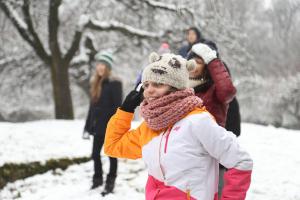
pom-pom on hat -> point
(169, 69)
(104, 57)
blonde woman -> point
(106, 97)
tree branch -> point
(169, 7)
(74, 47)
(38, 46)
(123, 28)
(22, 28)
(53, 25)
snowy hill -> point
(274, 151)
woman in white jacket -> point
(179, 140)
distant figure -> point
(164, 48)
(106, 97)
(193, 36)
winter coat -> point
(107, 104)
(184, 50)
(182, 161)
(218, 92)
(233, 121)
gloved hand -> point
(205, 52)
(133, 99)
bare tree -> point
(52, 53)
(54, 59)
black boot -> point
(109, 185)
(97, 181)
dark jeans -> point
(97, 146)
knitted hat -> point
(104, 57)
(169, 69)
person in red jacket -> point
(212, 83)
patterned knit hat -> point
(104, 57)
(169, 69)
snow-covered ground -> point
(42, 140)
(274, 151)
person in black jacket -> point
(233, 121)
(194, 36)
(106, 97)
(233, 118)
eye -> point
(145, 85)
(199, 61)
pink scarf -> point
(165, 111)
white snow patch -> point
(274, 151)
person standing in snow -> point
(106, 97)
(179, 140)
(212, 83)
(233, 118)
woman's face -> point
(191, 36)
(199, 69)
(101, 69)
(153, 90)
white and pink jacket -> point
(183, 161)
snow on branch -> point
(126, 29)
(25, 27)
(170, 7)
(13, 14)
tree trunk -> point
(61, 90)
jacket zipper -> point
(165, 150)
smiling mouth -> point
(151, 98)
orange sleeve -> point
(120, 141)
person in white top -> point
(179, 140)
